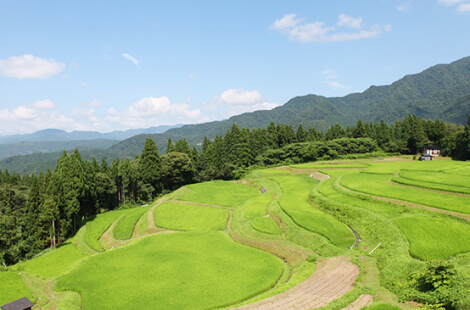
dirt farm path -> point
(361, 301)
(332, 278)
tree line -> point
(40, 211)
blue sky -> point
(116, 65)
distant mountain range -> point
(62, 135)
(442, 91)
(54, 140)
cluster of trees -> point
(37, 211)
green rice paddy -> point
(376, 184)
(435, 238)
(126, 224)
(265, 225)
(180, 216)
(174, 271)
(220, 193)
(12, 287)
(257, 206)
(294, 201)
(53, 263)
(97, 226)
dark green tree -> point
(177, 170)
(150, 166)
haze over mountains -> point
(442, 91)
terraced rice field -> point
(219, 193)
(435, 238)
(297, 206)
(53, 263)
(126, 224)
(174, 271)
(265, 225)
(184, 216)
(190, 259)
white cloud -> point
(463, 8)
(331, 79)
(236, 101)
(34, 117)
(96, 103)
(450, 2)
(388, 28)
(29, 67)
(43, 104)
(129, 57)
(152, 111)
(241, 97)
(404, 7)
(296, 29)
(83, 84)
(288, 21)
(348, 21)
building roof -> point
(19, 304)
(432, 147)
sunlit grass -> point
(256, 207)
(180, 216)
(192, 270)
(126, 224)
(12, 287)
(53, 263)
(435, 238)
(294, 201)
(376, 184)
(97, 226)
(219, 193)
(265, 225)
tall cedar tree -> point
(150, 167)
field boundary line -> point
(107, 239)
(202, 204)
(391, 182)
(405, 203)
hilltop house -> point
(433, 150)
(19, 304)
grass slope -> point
(174, 271)
(12, 287)
(219, 193)
(53, 263)
(180, 216)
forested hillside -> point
(440, 92)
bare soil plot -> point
(332, 279)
